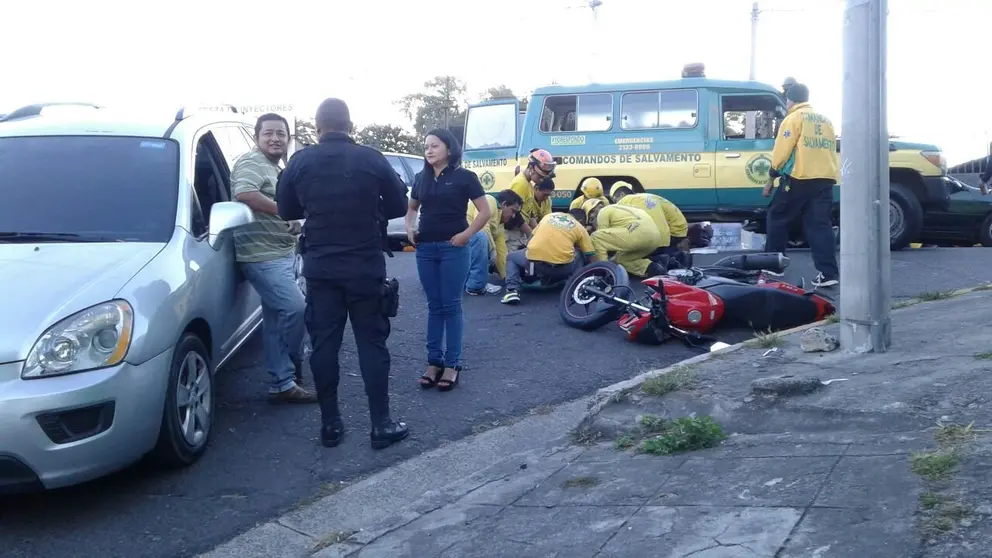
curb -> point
(605, 395)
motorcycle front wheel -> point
(582, 310)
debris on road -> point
(817, 340)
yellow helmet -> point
(621, 186)
(591, 188)
(589, 205)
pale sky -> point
(372, 52)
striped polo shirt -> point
(268, 237)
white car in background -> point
(407, 166)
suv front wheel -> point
(189, 405)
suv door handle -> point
(732, 155)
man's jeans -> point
(520, 270)
(478, 266)
(812, 200)
(283, 308)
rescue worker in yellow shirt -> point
(591, 188)
(667, 217)
(627, 231)
(804, 160)
(490, 242)
(534, 186)
(559, 247)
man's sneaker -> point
(295, 394)
(511, 297)
(821, 282)
(489, 289)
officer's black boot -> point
(331, 433)
(387, 432)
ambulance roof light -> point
(694, 70)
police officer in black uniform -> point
(346, 192)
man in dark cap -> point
(789, 82)
(805, 162)
(345, 191)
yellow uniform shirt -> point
(530, 209)
(494, 231)
(806, 146)
(577, 202)
(660, 210)
(555, 239)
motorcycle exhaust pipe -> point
(776, 262)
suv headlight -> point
(93, 338)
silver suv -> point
(121, 295)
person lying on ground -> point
(560, 246)
(490, 242)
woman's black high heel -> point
(448, 385)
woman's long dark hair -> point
(449, 140)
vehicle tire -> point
(605, 273)
(985, 233)
(905, 217)
(181, 443)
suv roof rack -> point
(184, 111)
(35, 110)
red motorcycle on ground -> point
(743, 291)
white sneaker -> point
(820, 281)
(493, 289)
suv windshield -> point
(88, 188)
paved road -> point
(264, 460)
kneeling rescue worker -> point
(592, 189)
(667, 217)
(534, 186)
(628, 231)
(560, 246)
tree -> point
(503, 92)
(306, 132)
(385, 137)
(439, 105)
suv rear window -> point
(114, 188)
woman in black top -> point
(442, 192)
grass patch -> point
(767, 339)
(930, 296)
(905, 303)
(987, 355)
(685, 434)
(953, 434)
(580, 482)
(332, 539)
(624, 442)
(934, 466)
(675, 379)
(832, 318)
(652, 423)
(585, 436)
(929, 500)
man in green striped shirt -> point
(265, 250)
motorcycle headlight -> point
(93, 338)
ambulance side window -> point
(587, 112)
(750, 117)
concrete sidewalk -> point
(759, 451)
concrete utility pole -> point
(865, 270)
(755, 12)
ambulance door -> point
(492, 132)
(749, 122)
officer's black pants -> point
(813, 201)
(329, 305)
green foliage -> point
(385, 137)
(440, 105)
(685, 434)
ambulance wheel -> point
(582, 310)
(905, 217)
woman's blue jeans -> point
(443, 268)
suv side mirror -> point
(225, 216)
